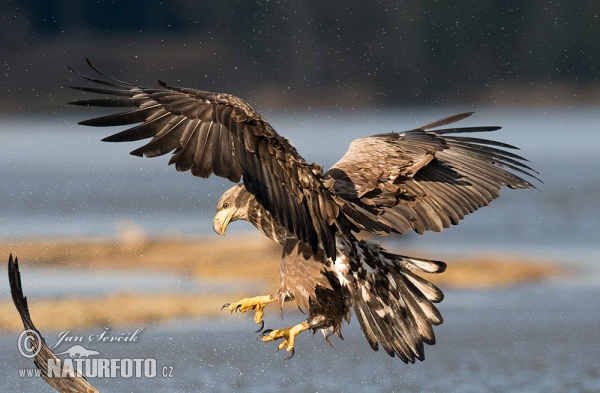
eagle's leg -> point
(256, 303)
(288, 335)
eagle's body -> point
(393, 305)
(423, 179)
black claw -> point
(262, 325)
(291, 354)
(237, 308)
(224, 305)
(265, 333)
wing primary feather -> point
(109, 102)
(204, 150)
(492, 156)
(445, 120)
(222, 164)
(459, 145)
(481, 141)
(120, 119)
(184, 158)
(106, 76)
(103, 90)
(163, 142)
(455, 130)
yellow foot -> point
(288, 335)
(256, 303)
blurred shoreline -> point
(236, 265)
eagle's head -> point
(233, 205)
(237, 203)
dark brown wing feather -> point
(70, 382)
(427, 180)
(221, 134)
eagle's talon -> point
(265, 333)
(288, 335)
(256, 303)
(283, 344)
(262, 326)
(291, 354)
(224, 305)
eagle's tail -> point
(394, 306)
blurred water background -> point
(530, 67)
(59, 181)
(532, 338)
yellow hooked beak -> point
(222, 219)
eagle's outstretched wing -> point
(221, 134)
(427, 180)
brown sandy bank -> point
(247, 258)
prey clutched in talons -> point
(256, 303)
(288, 335)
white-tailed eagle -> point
(423, 179)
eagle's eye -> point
(226, 205)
